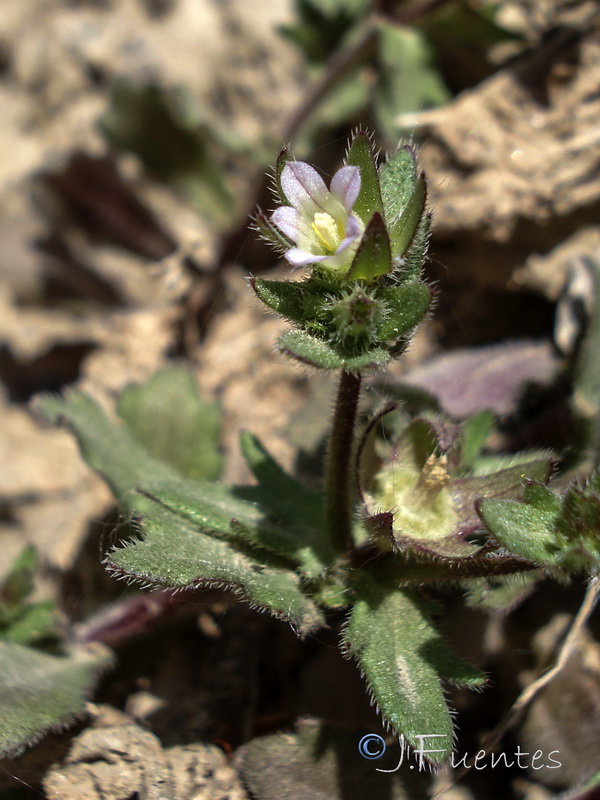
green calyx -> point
(365, 317)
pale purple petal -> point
(300, 258)
(303, 187)
(286, 219)
(352, 231)
(345, 185)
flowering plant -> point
(318, 220)
(431, 511)
(364, 240)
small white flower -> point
(319, 220)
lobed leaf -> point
(175, 553)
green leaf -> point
(167, 416)
(525, 528)
(405, 306)
(373, 257)
(283, 158)
(39, 692)
(176, 553)
(474, 433)
(398, 176)
(403, 230)
(298, 511)
(35, 623)
(20, 620)
(279, 515)
(361, 155)
(186, 524)
(500, 593)
(318, 353)
(414, 256)
(166, 131)
(286, 298)
(401, 655)
(17, 584)
(266, 229)
(108, 447)
(410, 79)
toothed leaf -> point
(296, 510)
(175, 553)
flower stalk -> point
(338, 494)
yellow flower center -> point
(329, 232)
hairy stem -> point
(339, 462)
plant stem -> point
(338, 512)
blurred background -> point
(137, 138)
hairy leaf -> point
(176, 553)
(526, 529)
(398, 177)
(318, 761)
(406, 307)
(404, 228)
(108, 447)
(286, 298)
(167, 416)
(197, 533)
(39, 692)
(298, 511)
(318, 353)
(361, 155)
(402, 657)
(373, 257)
(562, 534)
